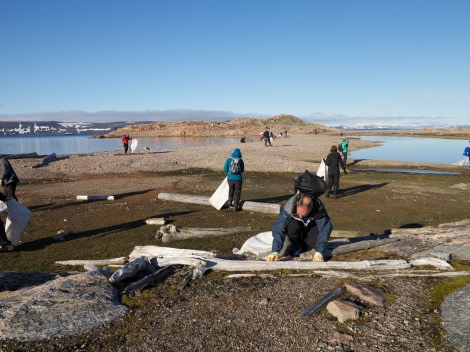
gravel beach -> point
(257, 313)
(293, 154)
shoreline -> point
(293, 154)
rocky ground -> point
(216, 313)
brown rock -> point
(343, 310)
(366, 293)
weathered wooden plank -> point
(96, 262)
(321, 303)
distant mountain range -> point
(55, 128)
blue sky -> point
(330, 62)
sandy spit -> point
(295, 153)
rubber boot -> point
(236, 205)
(230, 202)
(335, 192)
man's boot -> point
(328, 193)
(230, 202)
(335, 192)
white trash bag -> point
(220, 196)
(259, 245)
(18, 217)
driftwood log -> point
(268, 208)
(95, 197)
(96, 262)
(23, 156)
(155, 221)
(140, 264)
(257, 265)
(362, 245)
(170, 233)
(157, 275)
(321, 303)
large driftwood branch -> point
(362, 275)
(170, 233)
(268, 208)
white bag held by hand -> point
(18, 217)
(220, 196)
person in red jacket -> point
(125, 142)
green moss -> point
(445, 288)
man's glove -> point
(272, 257)
(318, 257)
(1, 182)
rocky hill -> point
(237, 127)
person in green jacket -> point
(344, 149)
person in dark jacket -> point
(5, 244)
(267, 140)
(234, 168)
(306, 223)
(334, 161)
(8, 178)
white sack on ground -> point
(18, 217)
(259, 245)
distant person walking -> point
(334, 161)
(234, 168)
(5, 243)
(344, 149)
(125, 142)
(466, 153)
(267, 140)
(8, 178)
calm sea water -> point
(85, 144)
(413, 149)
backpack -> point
(340, 147)
(235, 168)
(311, 184)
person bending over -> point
(307, 225)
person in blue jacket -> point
(307, 225)
(466, 153)
(234, 168)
